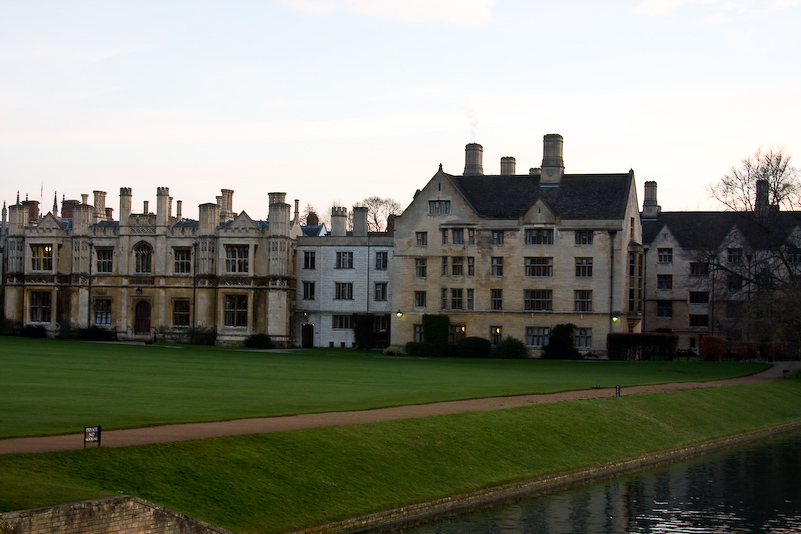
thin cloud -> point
(459, 12)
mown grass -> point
(52, 386)
(285, 481)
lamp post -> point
(89, 303)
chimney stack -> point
(339, 217)
(650, 209)
(473, 159)
(553, 166)
(360, 221)
(507, 166)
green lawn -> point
(284, 481)
(53, 386)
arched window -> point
(144, 255)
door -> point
(307, 335)
(142, 325)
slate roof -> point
(312, 230)
(577, 197)
(707, 229)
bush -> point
(395, 350)
(474, 347)
(201, 336)
(33, 330)
(561, 345)
(10, 328)
(97, 333)
(712, 348)
(258, 341)
(435, 335)
(509, 348)
(641, 346)
(414, 349)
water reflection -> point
(756, 488)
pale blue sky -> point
(335, 100)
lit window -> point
(42, 257)
(456, 333)
(496, 334)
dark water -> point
(755, 488)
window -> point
(42, 257)
(583, 300)
(40, 306)
(422, 239)
(444, 299)
(381, 323)
(458, 236)
(471, 236)
(699, 321)
(584, 237)
(537, 336)
(496, 334)
(497, 237)
(538, 300)
(143, 254)
(420, 299)
(496, 299)
(734, 255)
(665, 255)
(456, 299)
(104, 260)
(420, 267)
(381, 261)
(444, 236)
(699, 297)
(183, 260)
(539, 236)
(236, 310)
(470, 299)
(584, 267)
(344, 260)
(457, 266)
(343, 290)
(341, 322)
(439, 207)
(583, 338)
(380, 291)
(471, 266)
(664, 282)
(180, 312)
(444, 265)
(497, 266)
(539, 266)
(664, 309)
(456, 333)
(236, 258)
(308, 290)
(734, 282)
(699, 269)
(309, 258)
(103, 311)
(632, 264)
(418, 333)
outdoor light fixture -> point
(399, 314)
(615, 318)
(138, 290)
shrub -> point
(414, 349)
(97, 333)
(474, 347)
(435, 335)
(641, 346)
(258, 341)
(510, 347)
(202, 335)
(712, 348)
(363, 330)
(395, 350)
(561, 345)
(10, 328)
(33, 330)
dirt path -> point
(183, 432)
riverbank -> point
(290, 481)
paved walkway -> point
(189, 431)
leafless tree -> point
(378, 210)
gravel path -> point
(183, 432)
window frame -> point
(235, 310)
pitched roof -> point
(577, 197)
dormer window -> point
(439, 207)
(539, 236)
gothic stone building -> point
(516, 254)
(151, 273)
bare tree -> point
(378, 211)
(737, 189)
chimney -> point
(507, 166)
(473, 158)
(762, 192)
(85, 198)
(162, 206)
(66, 208)
(312, 219)
(553, 166)
(339, 217)
(278, 215)
(227, 208)
(125, 205)
(650, 209)
(100, 205)
(109, 214)
(33, 209)
(360, 221)
(146, 207)
(391, 224)
(209, 218)
(178, 206)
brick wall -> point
(119, 515)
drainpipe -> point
(612, 234)
(89, 306)
(194, 282)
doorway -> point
(307, 335)
(142, 312)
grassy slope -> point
(284, 481)
(51, 387)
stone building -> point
(707, 271)
(151, 273)
(343, 278)
(516, 254)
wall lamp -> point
(399, 314)
(138, 290)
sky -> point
(332, 101)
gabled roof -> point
(708, 229)
(577, 197)
(313, 230)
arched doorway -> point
(142, 312)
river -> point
(751, 488)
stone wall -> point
(120, 515)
